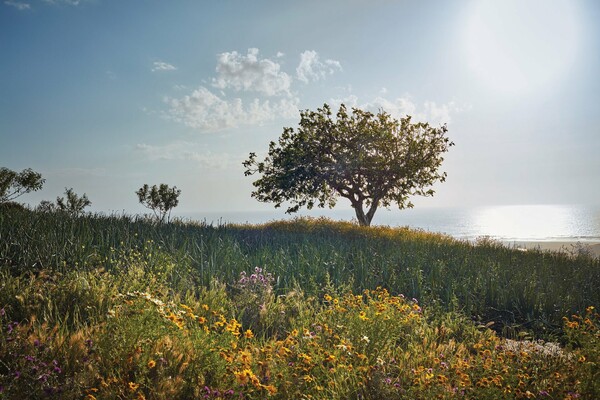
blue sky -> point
(105, 95)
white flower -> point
(365, 339)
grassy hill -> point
(121, 307)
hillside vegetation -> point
(121, 307)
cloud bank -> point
(252, 90)
(428, 111)
(312, 69)
(251, 73)
(207, 111)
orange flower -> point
(151, 364)
(133, 386)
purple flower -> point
(17, 374)
(12, 326)
(36, 343)
(543, 393)
(30, 358)
(2, 312)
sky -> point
(103, 96)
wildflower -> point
(151, 364)
(270, 388)
(248, 334)
(133, 386)
(246, 357)
(201, 320)
(327, 297)
(362, 315)
(590, 309)
(365, 339)
(244, 376)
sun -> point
(520, 46)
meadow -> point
(122, 307)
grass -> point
(120, 307)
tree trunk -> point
(364, 219)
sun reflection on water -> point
(528, 221)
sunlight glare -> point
(516, 46)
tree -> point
(160, 199)
(72, 204)
(372, 160)
(14, 184)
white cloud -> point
(251, 73)
(162, 66)
(205, 110)
(18, 5)
(312, 69)
(67, 2)
(188, 151)
(430, 111)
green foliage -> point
(160, 199)
(371, 160)
(14, 184)
(72, 204)
(518, 291)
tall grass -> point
(487, 281)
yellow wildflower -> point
(133, 386)
(248, 334)
(151, 364)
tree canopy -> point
(372, 160)
(14, 184)
(160, 199)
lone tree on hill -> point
(14, 184)
(372, 160)
(160, 199)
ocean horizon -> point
(572, 223)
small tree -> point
(160, 199)
(372, 160)
(72, 204)
(14, 184)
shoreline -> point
(565, 246)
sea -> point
(569, 223)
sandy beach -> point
(564, 246)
